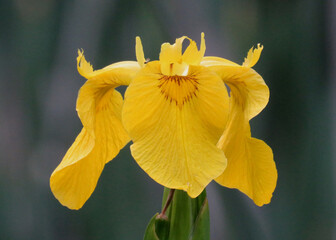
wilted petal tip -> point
(84, 68)
(253, 56)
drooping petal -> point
(99, 107)
(116, 74)
(244, 81)
(175, 123)
(103, 135)
(251, 167)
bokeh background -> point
(38, 122)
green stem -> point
(169, 199)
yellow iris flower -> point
(186, 129)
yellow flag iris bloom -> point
(185, 128)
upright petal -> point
(192, 55)
(103, 135)
(173, 62)
(250, 168)
(171, 53)
(175, 123)
(139, 52)
(171, 58)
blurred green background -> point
(38, 122)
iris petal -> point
(192, 55)
(253, 56)
(251, 167)
(175, 123)
(103, 135)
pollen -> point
(178, 89)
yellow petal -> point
(74, 180)
(217, 61)
(251, 167)
(172, 53)
(245, 81)
(202, 48)
(116, 74)
(175, 123)
(140, 56)
(103, 135)
(99, 108)
(99, 84)
(253, 56)
(191, 55)
(84, 68)
(174, 63)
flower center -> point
(178, 89)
